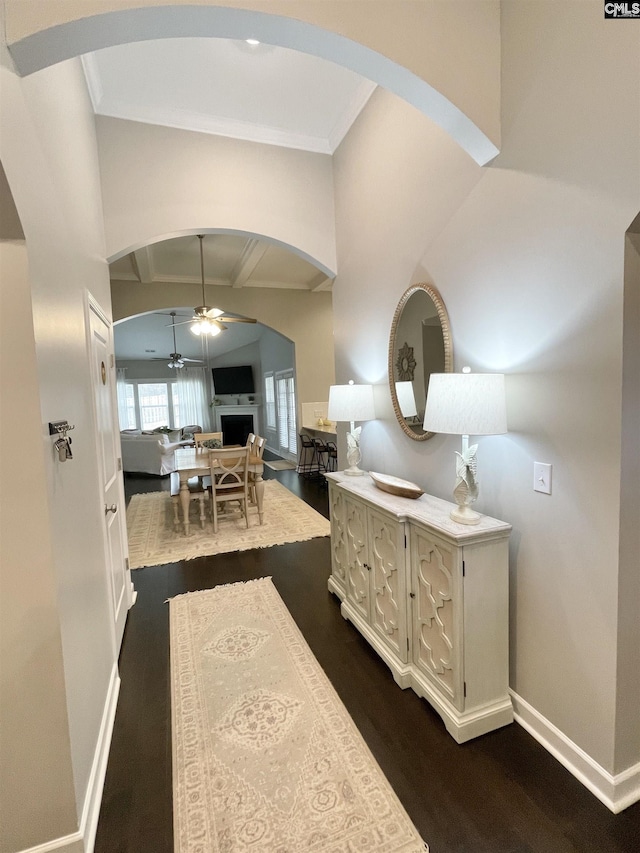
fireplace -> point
(236, 422)
(236, 428)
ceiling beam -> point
(142, 263)
(251, 256)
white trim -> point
(196, 122)
(616, 792)
(69, 843)
(93, 798)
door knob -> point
(108, 509)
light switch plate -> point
(542, 477)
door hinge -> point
(126, 563)
(464, 689)
(119, 464)
(407, 644)
(112, 360)
(463, 569)
(405, 540)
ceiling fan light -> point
(205, 327)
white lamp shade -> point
(406, 399)
(466, 404)
(351, 403)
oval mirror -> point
(419, 345)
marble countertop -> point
(426, 509)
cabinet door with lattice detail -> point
(338, 541)
(357, 575)
(436, 573)
(388, 584)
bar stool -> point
(307, 461)
(332, 456)
(322, 455)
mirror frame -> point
(435, 297)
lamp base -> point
(464, 515)
(353, 471)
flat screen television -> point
(233, 380)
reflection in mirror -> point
(419, 345)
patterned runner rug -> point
(265, 756)
(154, 541)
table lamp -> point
(466, 404)
(351, 403)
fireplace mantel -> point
(249, 409)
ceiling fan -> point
(206, 320)
(176, 359)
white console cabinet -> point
(430, 595)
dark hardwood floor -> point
(501, 793)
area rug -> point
(279, 464)
(265, 756)
(154, 541)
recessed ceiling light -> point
(252, 41)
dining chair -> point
(257, 449)
(201, 437)
(251, 440)
(229, 480)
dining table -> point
(200, 462)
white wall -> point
(528, 256)
(35, 752)
(214, 183)
(48, 150)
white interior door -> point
(103, 377)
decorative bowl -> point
(396, 486)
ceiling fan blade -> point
(183, 323)
(236, 320)
(193, 360)
(209, 313)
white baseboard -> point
(68, 844)
(93, 798)
(616, 792)
(83, 841)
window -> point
(270, 400)
(147, 405)
(153, 402)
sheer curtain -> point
(193, 404)
(121, 391)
